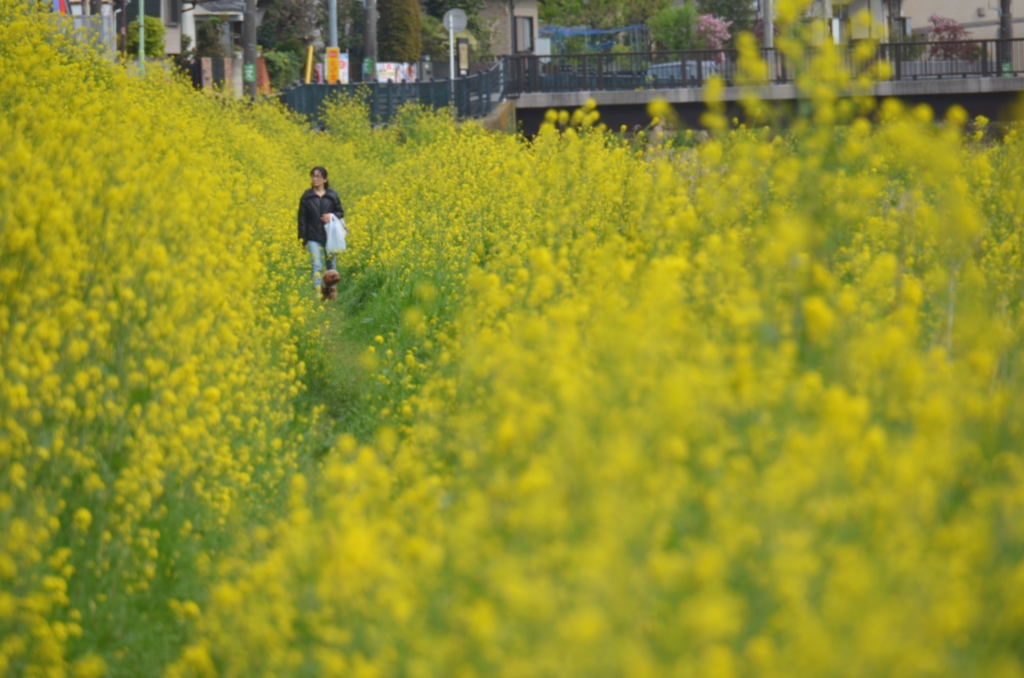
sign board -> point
(343, 68)
(333, 57)
(249, 73)
(390, 71)
(369, 68)
(463, 44)
(387, 71)
(455, 20)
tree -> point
(683, 27)
(434, 39)
(351, 23)
(295, 19)
(740, 13)
(399, 30)
(210, 38)
(437, 8)
(640, 12)
(675, 28)
(476, 26)
(946, 37)
(713, 32)
(600, 14)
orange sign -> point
(333, 59)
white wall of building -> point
(980, 17)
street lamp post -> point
(142, 36)
(332, 17)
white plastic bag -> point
(336, 231)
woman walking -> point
(315, 209)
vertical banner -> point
(333, 65)
(463, 47)
(343, 68)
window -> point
(173, 13)
(900, 30)
(840, 25)
(524, 34)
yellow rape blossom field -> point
(586, 405)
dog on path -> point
(329, 287)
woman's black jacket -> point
(311, 208)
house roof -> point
(221, 6)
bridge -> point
(986, 77)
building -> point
(888, 19)
(980, 17)
(169, 11)
(181, 18)
(230, 12)
(514, 25)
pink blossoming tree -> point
(946, 37)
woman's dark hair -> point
(323, 173)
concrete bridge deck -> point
(997, 98)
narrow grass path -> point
(337, 379)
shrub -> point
(284, 68)
(748, 408)
(155, 32)
(210, 38)
(159, 399)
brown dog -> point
(329, 288)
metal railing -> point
(692, 68)
(471, 97)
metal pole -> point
(451, 63)
(142, 36)
(769, 24)
(1005, 34)
(124, 29)
(332, 14)
(249, 50)
(370, 39)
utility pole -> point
(332, 17)
(1005, 34)
(249, 50)
(370, 42)
(512, 23)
